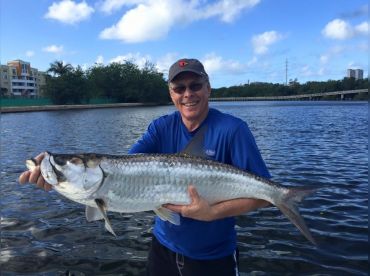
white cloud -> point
(354, 65)
(164, 63)
(362, 29)
(30, 53)
(228, 10)
(324, 59)
(262, 41)
(136, 58)
(153, 19)
(53, 49)
(340, 29)
(109, 6)
(146, 22)
(69, 12)
(214, 64)
(99, 60)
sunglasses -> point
(194, 87)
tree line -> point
(126, 82)
(118, 82)
(258, 89)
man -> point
(205, 241)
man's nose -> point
(188, 91)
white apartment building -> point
(19, 79)
(358, 74)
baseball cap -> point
(186, 65)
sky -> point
(238, 41)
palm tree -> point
(59, 68)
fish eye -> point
(59, 160)
(76, 160)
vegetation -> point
(117, 82)
(258, 89)
(58, 68)
(126, 82)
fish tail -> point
(288, 206)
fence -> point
(8, 102)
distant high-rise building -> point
(358, 74)
(350, 73)
(18, 78)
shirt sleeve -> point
(148, 143)
(245, 153)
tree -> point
(70, 87)
(58, 68)
(126, 82)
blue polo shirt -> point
(227, 140)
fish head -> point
(48, 170)
(72, 174)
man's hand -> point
(35, 176)
(201, 209)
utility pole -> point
(286, 71)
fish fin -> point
(167, 215)
(196, 145)
(101, 206)
(288, 207)
(93, 214)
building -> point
(358, 74)
(19, 79)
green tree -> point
(58, 68)
(126, 82)
(68, 88)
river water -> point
(320, 144)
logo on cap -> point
(183, 63)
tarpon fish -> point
(143, 182)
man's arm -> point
(200, 209)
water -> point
(321, 144)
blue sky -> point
(237, 40)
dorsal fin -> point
(196, 145)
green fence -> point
(5, 102)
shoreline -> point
(37, 108)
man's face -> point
(190, 92)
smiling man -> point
(205, 241)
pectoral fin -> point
(93, 214)
(98, 213)
(167, 215)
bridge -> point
(340, 95)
